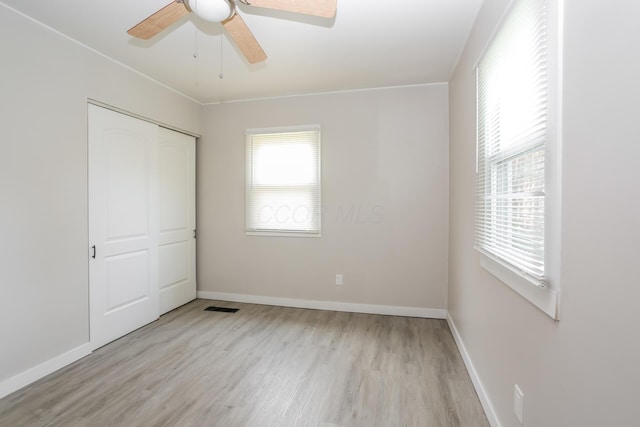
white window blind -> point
(512, 85)
(283, 181)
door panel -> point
(127, 185)
(127, 279)
(123, 224)
(174, 262)
(175, 165)
(177, 276)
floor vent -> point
(222, 309)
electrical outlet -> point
(338, 279)
(518, 403)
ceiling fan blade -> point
(323, 8)
(159, 20)
(244, 39)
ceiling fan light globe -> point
(211, 10)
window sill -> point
(281, 234)
(545, 298)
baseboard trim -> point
(477, 384)
(31, 375)
(429, 313)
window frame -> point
(545, 294)
(248, 169)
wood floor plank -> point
(262, 366)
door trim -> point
(139, 117)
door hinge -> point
(194, 233)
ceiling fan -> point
(224, 11)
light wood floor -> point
(262, 366)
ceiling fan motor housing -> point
(211, 10)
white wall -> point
(583, 370)
(45, 81)
(384, 160)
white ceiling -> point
(368, 44)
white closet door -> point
(177, 209)
(123, 224)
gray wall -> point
(384, 199)
(45, 81)
(582, 370)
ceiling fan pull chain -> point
(221, 75)
(195, 39)
(196, 51)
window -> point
(283, 181)
(516, 140)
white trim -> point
(545, 298)
(553, 161)
(282, 234)
(31, 375)
(329, 92)
(490, 412)
(283, 129)
(143, 118)
(389, 310)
